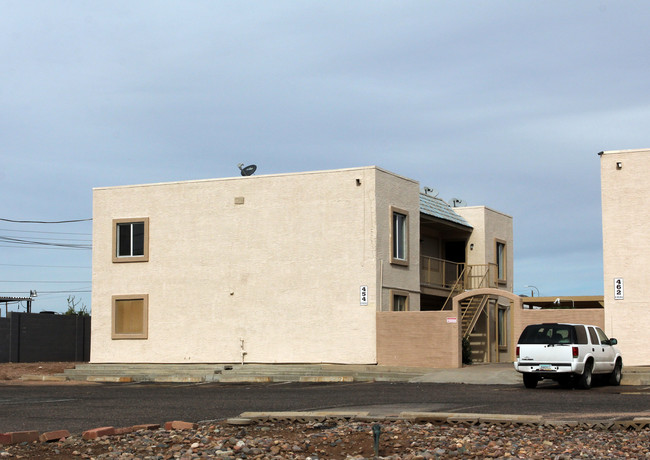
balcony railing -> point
(481, 276)
(439, 272)
(446, 274)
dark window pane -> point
(138, 239)
(501, 263)
(399, 236)
(543, 334)
(123, 240)
(582, 335)
(601, 335)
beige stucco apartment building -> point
(626, 250)
(344, 266)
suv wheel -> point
(615, 376)
(530, 380)
(584, 382)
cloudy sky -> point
(501, 103)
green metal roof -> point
(435, 207)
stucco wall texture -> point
(401, 193)
(282, 271)
(626, 250)
(419, 339)
(488, 227)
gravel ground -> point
(350, 439)
(11, 372)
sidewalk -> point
(476, 374)
(486, 374)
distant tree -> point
(74, 307)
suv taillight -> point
(517, 352)
(575, 351)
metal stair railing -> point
(474, 313)
(467, 309)
(458, 286)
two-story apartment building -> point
(343, 266)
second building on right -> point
(625, 191)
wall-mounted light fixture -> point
(619, 165)
(471, 246)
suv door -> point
(608, 353)
(600, 350)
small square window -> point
(131, 240)
(130, 317)
(399, 301)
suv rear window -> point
(548, 333)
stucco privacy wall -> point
(418, 339)
(626, 249)
(282, 271)
(403, 194)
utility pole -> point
(32, 294)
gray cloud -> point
(502, 103)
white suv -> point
(567, 353)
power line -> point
(43, 293)
(38, 247)
(8, 239)
(48, 282)
(46, 266)
(41, 238)
(51, 233)
(44, 221)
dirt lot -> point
(10, 372)
(347, 439)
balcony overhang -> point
(436, 222)
(434, 291)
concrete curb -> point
(43, 378)
(247, 418)
(480, 374)
(108, 379)
(178, 379)
(325, 378)
(238, 379)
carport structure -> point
(7, 300)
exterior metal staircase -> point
(470, 310)
(457, 288)
(471, 277)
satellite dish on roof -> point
(430, 191)
(457, 203)
(247, 170)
